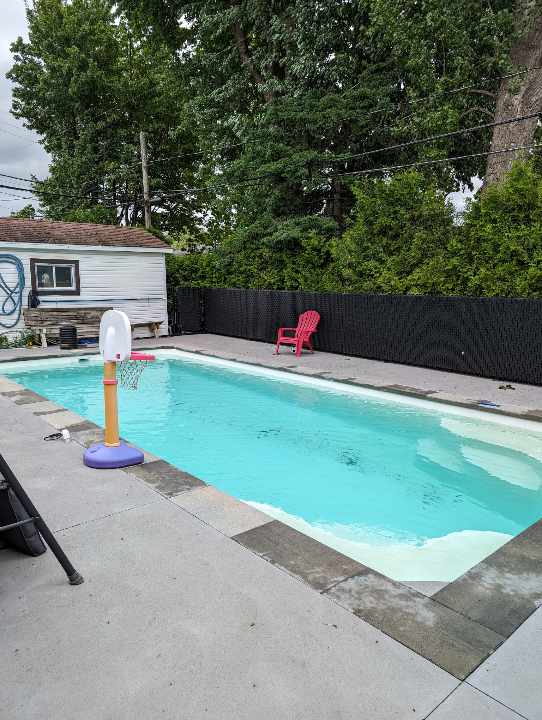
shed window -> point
(55, 277)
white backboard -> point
(115, 336)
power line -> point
(342, 158)
(428, 139)
(186, 191)
(434, 162)
(16, 177)
(60, 195)
(432, 138)
(452, 91)
(375, 170)
(440, 93)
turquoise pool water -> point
(417, 491)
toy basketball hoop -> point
(131, 369)
(116, 349)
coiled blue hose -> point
(11, 296)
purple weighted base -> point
(103, 457)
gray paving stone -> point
(86, 436)
(41, 408)
(24, 397)
(426, 587)
(406, 390)
(505, 588)
(85, 426)
(8, 385)
(512, 674)
(223, 512)
(64, 419)
(448, 639)
(165, 478)
(534, 414)
(302, 556)
(466, 703)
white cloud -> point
(20, 152)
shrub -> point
(402, 238)
(501, 244)
(398, 236)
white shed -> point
(75, 270)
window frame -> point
(36, 262)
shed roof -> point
(20, 230)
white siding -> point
(134, 282)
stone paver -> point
(318, 565)
(220, 510)
(505, 588)
(512, 674)
(165, 478)
(426, 587)
(45, 406)
(450, 640)
(24, 397)
(61, 420)
(7, 385)
(466, 703)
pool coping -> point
(457, 628)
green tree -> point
(87, 84)
(308, 92)
(28, 212)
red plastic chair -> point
(306, 325)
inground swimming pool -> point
(414, 489)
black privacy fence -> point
(492, 337)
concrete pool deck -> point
(176, 619)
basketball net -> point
(131, 369)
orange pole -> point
(111, 407)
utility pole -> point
(145, 172)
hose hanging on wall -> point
(11, 296)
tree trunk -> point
(246, 59)
(520, 95)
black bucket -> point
(68, 337)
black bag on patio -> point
(25, 538)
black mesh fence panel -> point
(187, 311)
(492, 337)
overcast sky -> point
(20, 152)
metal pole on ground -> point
(74, 577)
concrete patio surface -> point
(178, 620)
